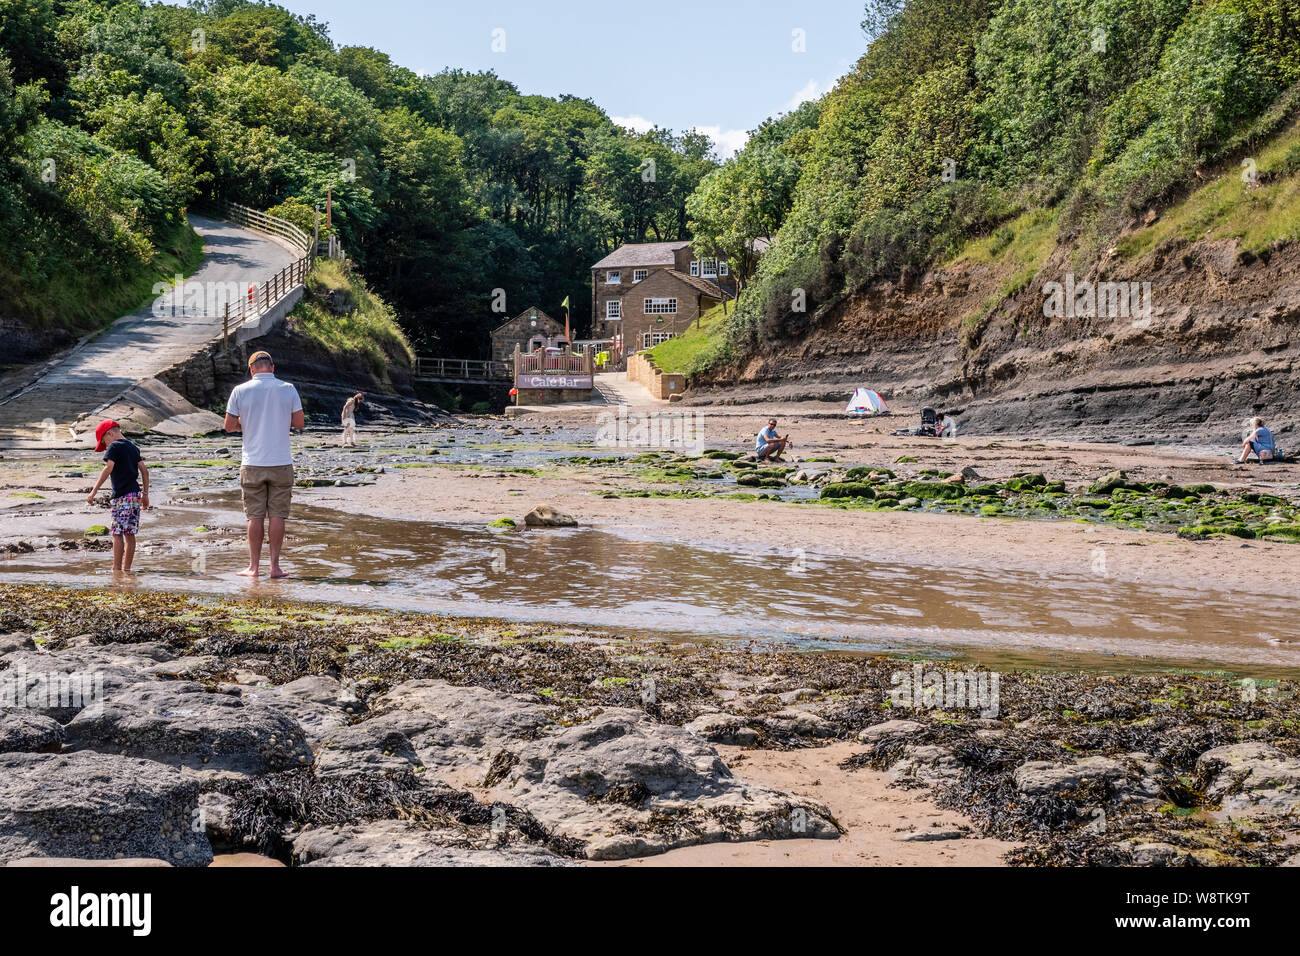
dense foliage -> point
(965, 113)
(445, 188)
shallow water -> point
(587, 577)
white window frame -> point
(613, 309)
(614, 278)
(650, 339)
(723, 268)
(639, 274)
(706, 265)
(695, 267)
(666, 305)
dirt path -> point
(142, 344)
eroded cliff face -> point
(1220, 342)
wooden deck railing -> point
(566, 363)
(257, 300)
(447, 369)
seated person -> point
(945, 427)
(1259, 442)
(768, 444)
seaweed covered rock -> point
(1112, 482)
(848, 489)
(183, 725)
(97, 806)
(1250, 778)
(628, 786)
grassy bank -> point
(684, 353)
(81, 300)
(342, 315)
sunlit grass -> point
(1257, 215)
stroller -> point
(929, 423)
(929, 427)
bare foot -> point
(249, 573)
(277, 573)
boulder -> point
(367, 747)
(1042, 776)
(183, 725)
(799, 722)
(890, 728)
(549, 516)
(97, 806)
(61, 684)
(397, 843)
(1250, 778)
(928, 764)
(23, 730)
(320, 705)
(459, 726)
(16, 642)
(723, 729)
(628, 786)
(1153, 854)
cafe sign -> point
(538, 380)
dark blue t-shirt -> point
(125, 475)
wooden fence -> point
(259, 299)
(262, 222)
(460, 370)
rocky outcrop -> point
(25, 731)
(397, 843)
(183, 725)
(627, 786)
(1249, 779)
(98, 806)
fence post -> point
(225, 329)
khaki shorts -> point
(266, 490)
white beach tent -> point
(866, 402)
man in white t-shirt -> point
(265, 409)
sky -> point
(721, 67)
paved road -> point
(149, 341)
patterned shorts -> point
(126, 514)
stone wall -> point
(663, 385)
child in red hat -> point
(130, 480)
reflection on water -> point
(595, 578)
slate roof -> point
(699, 285)
(634, 254)
(541, 316)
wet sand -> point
(1104, 596)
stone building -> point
(643, 293)
(530, 329)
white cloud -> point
(637, 124)
(809, 91)
(728, 141)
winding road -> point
(147, 342)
